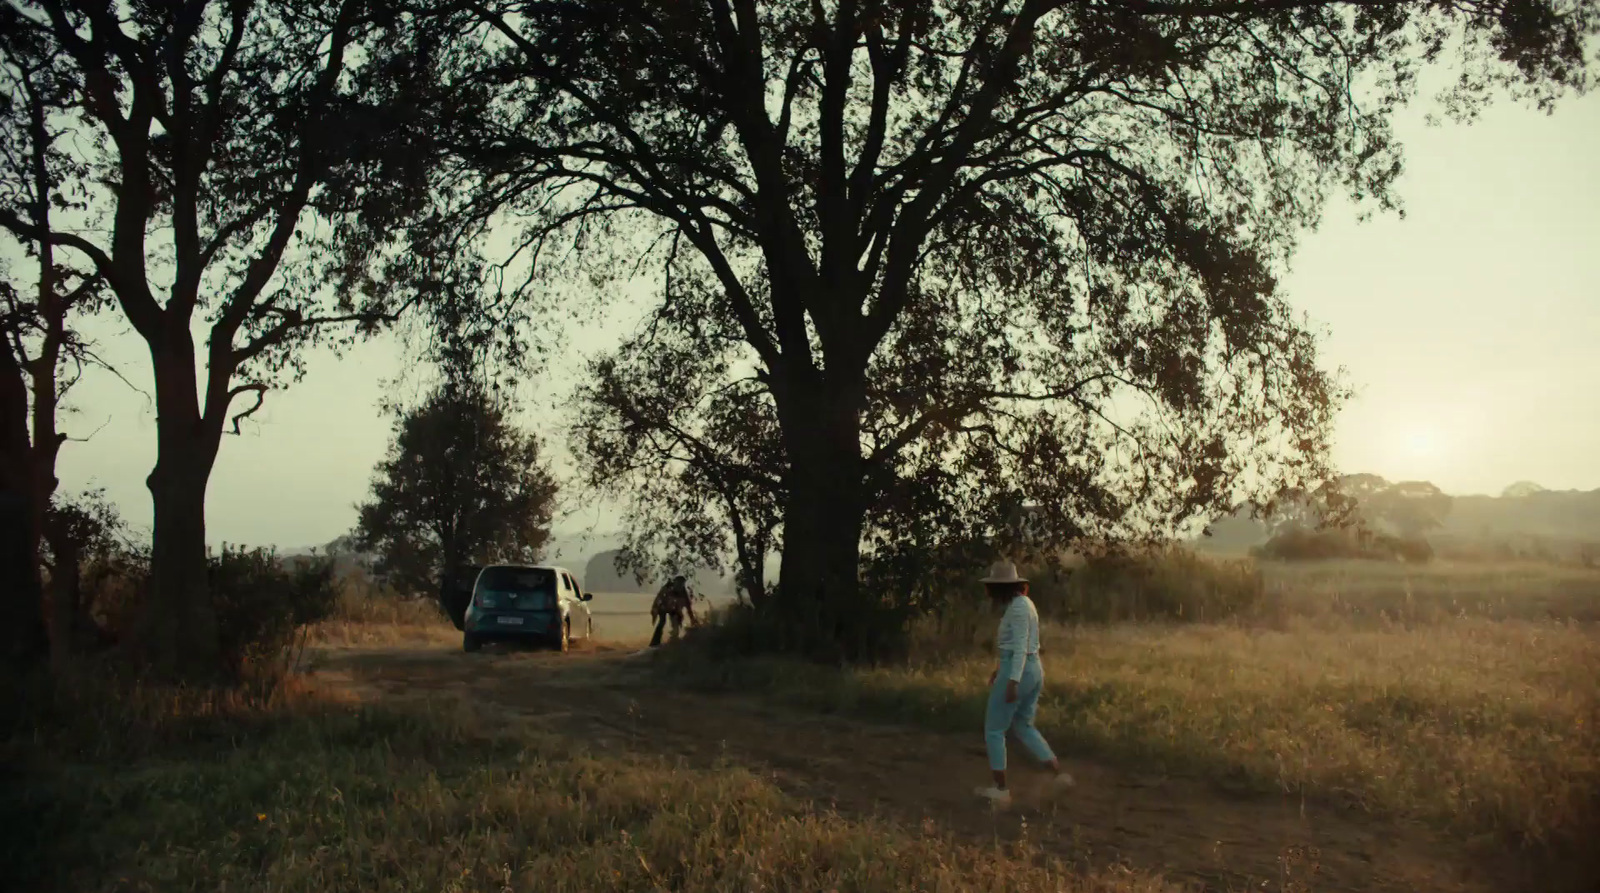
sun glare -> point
(1421, 443)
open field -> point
(1340, 740)
(1487, 728)
(1467, 697)
(1386, 593)
(315, 793)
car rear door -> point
(455, 592)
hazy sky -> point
(1471, 330)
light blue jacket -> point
(1018, 637)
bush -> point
(113, 590)
(263, 608)
(263, 604)
(868, 631)
(1160, 583)
(1299, 544)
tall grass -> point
(1368, 593)
(368, 614)
(1170, 583)
(1488, 726)
(312, 795)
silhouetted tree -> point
(997, 250)
(37, 169)
(695, 460)
(42, 298)
(208, 137)
(460, 484)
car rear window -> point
(521, 588)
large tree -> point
(461, 484)
(966, 253)
(46, 292)
(216, 146)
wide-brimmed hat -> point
(1004, 572)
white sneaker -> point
(996, 796)
(1063, 780)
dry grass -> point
(367, 615)
(302, 794)
(1346, 692)
(1367, 592)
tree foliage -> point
(42, 293)
(460, 484)
(77, 531)
(947, 257)
(43, 296)
(691, 496)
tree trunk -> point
(751, 554)
(178, 635)
(819, 587)
(67, 625)
(24, 642)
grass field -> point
(308, 794)
(1383, 594)
(1464, 697)
(1467, 696)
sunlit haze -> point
(1468, 328)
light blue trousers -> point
(1017, 716)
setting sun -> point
(1422, 443)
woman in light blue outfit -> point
(1015, 684)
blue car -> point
(521, 603)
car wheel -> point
(589, 633)
(566, 636)
(470, 643)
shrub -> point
(263, 604)
(1158, 583)
(263, 607)
(113, 590)
(1300, 544)
(867, 631)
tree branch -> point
(257, 388)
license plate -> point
(510, 621)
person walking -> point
(672, 601)
(1015, 684)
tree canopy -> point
(947, 257)
(460, 484)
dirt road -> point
(1196, 835)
